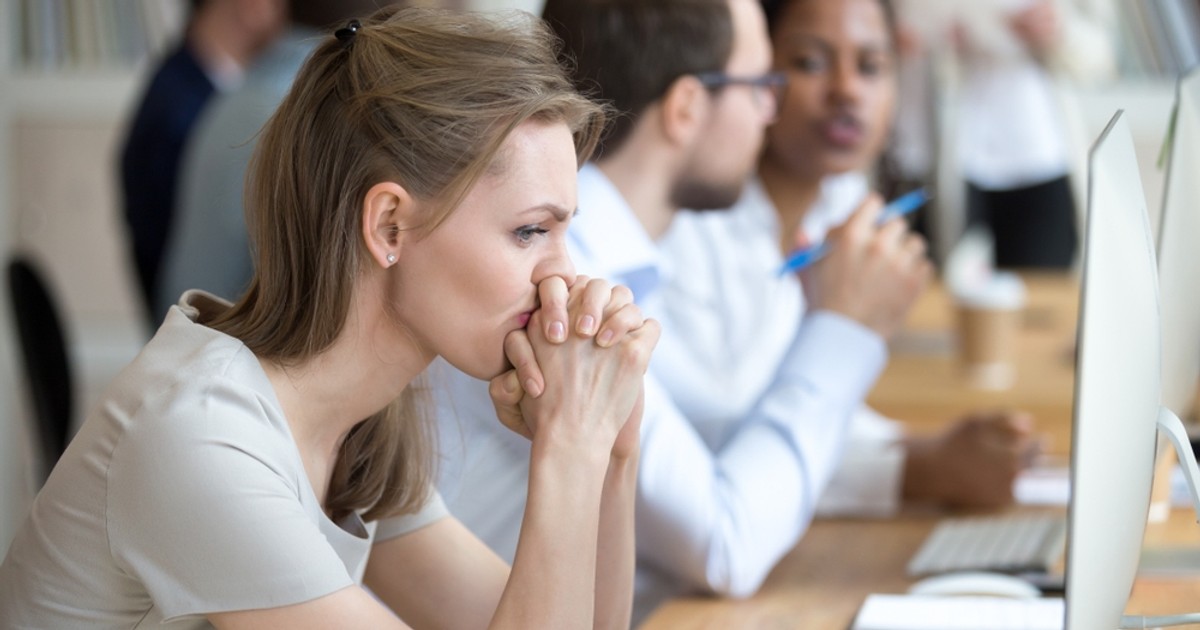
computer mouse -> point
(975, 583)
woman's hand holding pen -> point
(596, 368)
(873, 272)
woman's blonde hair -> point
(418, 96)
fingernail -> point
(587, 325)
(606, 338)
(558, 332)
(532, 388)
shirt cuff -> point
(867, 482)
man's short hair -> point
(629, 52)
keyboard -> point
(1020, 543)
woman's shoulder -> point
(193, 420)
(194, 385)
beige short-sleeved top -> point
(183, 494)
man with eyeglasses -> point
(691, 85)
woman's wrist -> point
(553, 442)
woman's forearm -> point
(615, 550)
(552, 584)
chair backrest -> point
(44, 352)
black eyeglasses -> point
(773, 83)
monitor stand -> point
(1170, 427)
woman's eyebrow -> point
(560, 213)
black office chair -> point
(43, 348)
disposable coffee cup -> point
(989, 319)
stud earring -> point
(391, 258)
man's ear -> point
(388, 211)
(683, 110)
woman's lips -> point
(843, 131)
(523, 318)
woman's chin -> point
(480, 367)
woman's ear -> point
(388, 212)
(684, 108)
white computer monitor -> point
(1117, 388)
(1117, 412)
(1179, 256)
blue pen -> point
(900, 206)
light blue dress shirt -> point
(729, 321)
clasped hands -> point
(578, 367)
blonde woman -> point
(260, 463)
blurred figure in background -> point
(208, 247)
(731, 317)
(1008, 123)
(222, 38)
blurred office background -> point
(71, 72)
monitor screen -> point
(1117, 388)
(1178, 262)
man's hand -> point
(972, 464)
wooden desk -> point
(823, 581)
(924, 385)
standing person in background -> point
(1013, 147)
(207, 247)
(729, 320)
(222, 37)
(692, 83)
(262, 464)
(1015, 143)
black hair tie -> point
(346, 34)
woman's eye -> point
(808, 63)
(872, 67)
(526, 233)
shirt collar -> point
(839, 196)
(610, 241)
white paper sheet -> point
(912, 612)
